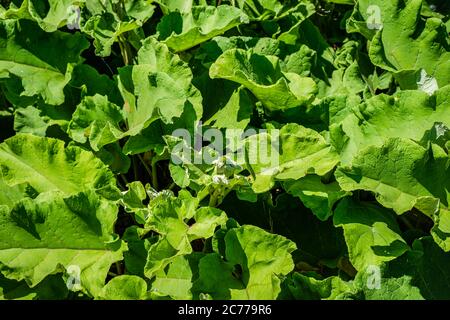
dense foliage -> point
(355, 95)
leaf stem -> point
(147, 168)
(135, 169)
(118, 268)
(406, 222)
(125, 51)
(154, 175)
(124, 179)
(172, 185)
(213, 199)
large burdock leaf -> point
(50, 15)
(236, 113)
(371, 233)
(159, 98)
(113, 22)
(169, 217)
(441, 228)
(405, 43)
(263, 76)
(97, 120)
(168, 6)
(401, 173)
(255, 259)
(304, 287)
(176, 280)
(181, 31)
(316, 195)
(370, 123)
(106, 30)
(158, 87)
(43, 61)
(389, 288)
(37, 120)
(125, 287)
(46, 165)
(52, 234)
(290, 153)
(51, 288)
(9, 195)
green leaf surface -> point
(405, 42)
(159, 87)
(43, 62)
(52, 234)
(254, 261)
(262, 75)
(52, 288)
(383, 117)
(427, 265)
(125, 287)
(371, 233)
(318, 196)
(46, 165)
(181, 31)
(401, 173)
(292, 153)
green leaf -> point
(382, 117)
(175, 5)
(26, 54)
(235, 114)
(181, 31)
(91, 82)
(419, 45)
(52, 288)
(136, 256)
(169, 218)
(37, 120)
(46, 165)
(303, 287)
(254, 262)
(125, 287)
(133, 197)
(159, 87)
(318, 196)
(428, 266)
(10, 195)
(106, 30)
(96, 120)
(50, 15)
(441, 228)
(176, 282)
(371, 233)
(301, 151)
(401, 288)
(401, 173)
(263, 76)
(206, 221)
(53, 233)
